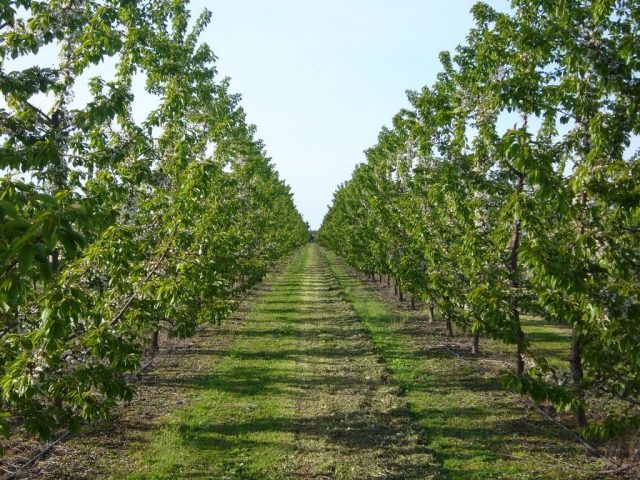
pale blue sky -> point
(319, 79)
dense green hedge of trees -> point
(110, 228)
(488, 222)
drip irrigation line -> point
(134, 378)
(617, 468)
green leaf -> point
(25, 258)
(5, 428)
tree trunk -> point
(432, 315)
(395, 288)
(520, 353)
(155, 346)
(475, 345)
(400, 294)
(575, 358)
(515, 284)
(55, 261)
(575, 362)
(449, 326)
(413, 302)
(388, 281)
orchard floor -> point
(320, 377)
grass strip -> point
(237, 426)
(475, 428)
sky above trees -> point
(319, 78)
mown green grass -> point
(548, 340)
(236, 426)
(475, 428)
(301, 395)
(281, 404)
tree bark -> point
(575, 358)
(55, 261)
(448, 325)
(475, 345)
(400, 294)
(413, 302)
(432, 315)
(515, 284)
(155, 345)
(520, 353)
(575, 361)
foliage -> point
(489, 221)
(113, 227)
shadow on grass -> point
(355, 433)
(468, 417)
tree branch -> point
(127, 304)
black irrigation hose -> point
(134, 379)
(62, 437)
(617, 468)
(542, 413)
(36, 457)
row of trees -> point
(488, 222)
(113, 228)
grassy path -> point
(302, 394)
(474, 427)
(327, 380)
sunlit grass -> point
(234, 428)
(475, 428)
